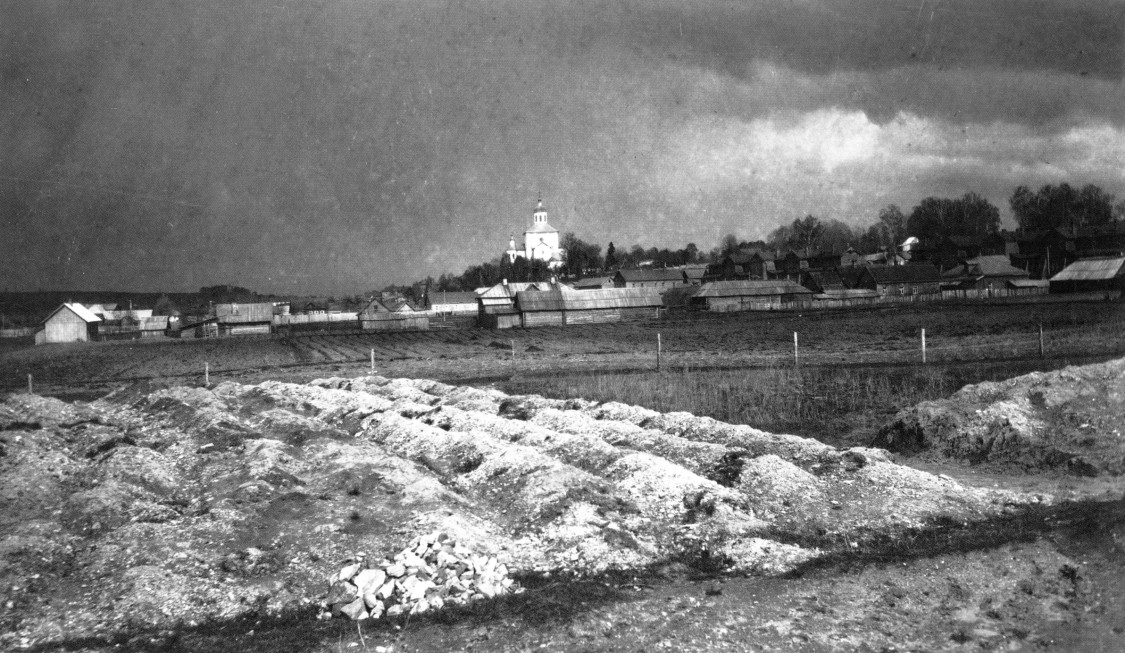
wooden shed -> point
(750, 295)
(560, 306)
(70, 322)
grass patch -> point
(838, 405)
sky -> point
(337, 146)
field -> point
(954, 333)
(1008, 559)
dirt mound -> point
(175, 505)
(1067, 420)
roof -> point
(439, 297)
(502, 290)
(1028, 283)
(541, 228)
(1092, 269)
(694, 271)
(565, 299)
(101, 308)
(823, 279)
(593, 282)
(751, 288)
(846, 293)
(994, 266)
(915, 273)
(658, 274)
(78, 309)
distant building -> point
(540, 241)
(71, 322)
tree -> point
(580, 255)
(1062, 206)
(610, 257)
(807, 232)
(836, 236)
(937, 218)
(728, 245)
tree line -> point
(931, 220)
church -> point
(540, 241)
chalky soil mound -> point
(170, 507)
(1066, 420)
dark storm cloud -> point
(342, 145)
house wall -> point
(397, 322)
(65, 326)
(543, 318)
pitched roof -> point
(751, 288)
(78, 309)
(993, 266)
(560, 299)
(1092, 269)
(659, 274)
(441, 297)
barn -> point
(71, 322)
(1091, 275)
(750, 295)
(560, 306)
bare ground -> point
(189, 518)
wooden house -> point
(394, 314)
(749, 295)
(1091, 275)
(820, 281)
(70, 322)
(496, 305)
(693, 274)
(901, 280)
(990, 273)
(648, 278)
(560, 306)
(851, 258)
(244, 319)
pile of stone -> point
(430, 573)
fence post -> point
(923, 346)
(513, 350)
(1042, 349)
(373, 359)
(657, 352)
(207, 375)
(796, 358)
(29, 389)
